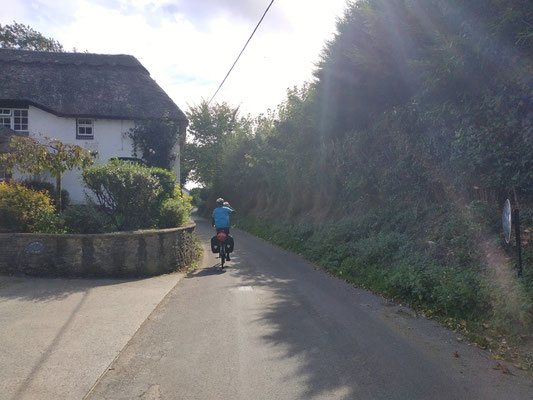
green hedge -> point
(137, 197)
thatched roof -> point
(83, 85)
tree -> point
(30, 156)
(23, 37)
(210, 128)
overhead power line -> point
(242, 51)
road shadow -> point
(50, 289)
(291, 326)
(210, 271)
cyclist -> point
(220, 219)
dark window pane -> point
(82, 130)
(89, 131)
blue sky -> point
(189, 45)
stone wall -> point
(120, 254)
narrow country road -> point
(273, 327)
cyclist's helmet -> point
(220, 202)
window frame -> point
(84, 125)
(21, 120)
(3, 119)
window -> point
(5, 117)
(14, 118)
(20, 120)
(5, 121)
(84, 129)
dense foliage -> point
(26, 210)
(135, 196)
(40, 185)
(420, 116)
(86, 218)
(211, 129)
(154, 141)
(174, 211)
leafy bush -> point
(167, 181)
(175, 211)
(40, 186)
(82, 218)
(26, 210)
(128, 193)
(136, 197)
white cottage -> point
(91, 100)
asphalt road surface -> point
(271, 326)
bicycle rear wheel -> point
(222, 254)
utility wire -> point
(242, 51)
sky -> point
(189, 45)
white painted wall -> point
(110, 140)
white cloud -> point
(189, 45)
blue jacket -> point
(221, 217)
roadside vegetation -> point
(390, 168)
(122, 197)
